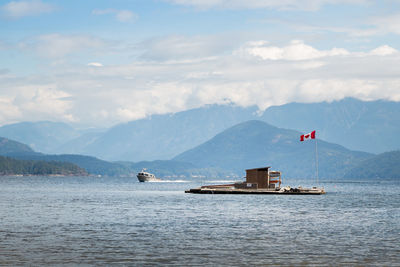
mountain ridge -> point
(255, 143)
(349, 122)
(384, 165)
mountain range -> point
(371, 126)
(220, 140)
(22, 160)
(44, 136)
(161, 137)
(94, 166)
(358, 125)
(228, 154)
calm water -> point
(105, 221)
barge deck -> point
(258, 181)
(291, 191)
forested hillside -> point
(9, 166)
(385, 165)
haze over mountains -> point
(165, 136)
(224, 139)
(358, 125)
(42, 136)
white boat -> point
(144, 176)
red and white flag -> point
(307, 136)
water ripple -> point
(84, 221)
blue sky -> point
(98, 63)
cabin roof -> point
(259, 169)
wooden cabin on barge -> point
(263, 178)
(258, 181)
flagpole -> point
(316, 160)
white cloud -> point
(296, 50)
(33, 102)
(125, 16)
(384, 50)
(120, 15)
(18, 9)
(177, 47)
(309, 65)
(9, 112)
(95, 64)
(42, 99)
(103, 96)
(58, 46)
(310, 5)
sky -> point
(97, 63)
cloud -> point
(115, 93)
(126, 16)
(58, 46)
(95, 64)
(4, 72)
(178, 47)
(33, 102)
(19, 9)
(9, 112)
(309, 5)
(120, 15)
(384, 50)
(386, 24)
(296, 50)
(41, 99)
(369, 26)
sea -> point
(104, 221)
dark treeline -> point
(9, 166)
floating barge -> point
(258, 181)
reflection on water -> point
(102, 221)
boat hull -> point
(143, 179)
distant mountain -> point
(358, 125)
(8, 146)
(367, 126)
(78, 144)
(10, 166)
(17, 150)
(91, 164)
(348, 122)
(41, 136)
(161, 137)
(95, 166)
(256, 144)
(27, 160)
(385, 165)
